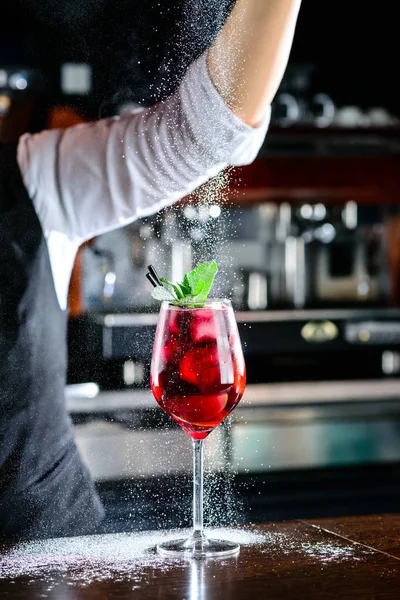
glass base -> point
(202, 547)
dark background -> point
(139, 50)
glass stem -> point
(197, 488)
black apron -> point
(45, 490)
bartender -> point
(60, 188)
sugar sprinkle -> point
(128, 556)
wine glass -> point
(198, 376)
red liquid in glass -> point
(198, 373)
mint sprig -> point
(193, 291)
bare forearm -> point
(247, 61)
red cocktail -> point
(198, 372)
(198, 376)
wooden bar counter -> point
(338, 558)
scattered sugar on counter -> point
(129, 556)
(123, 556)
(323, 551)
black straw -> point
(154, 274)
(151, 279)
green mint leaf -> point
(189, 302)
(166, 281)
(194, 289)
(175, 287)
(201, 279)
(185, 286)
(161, 293)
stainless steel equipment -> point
(270, 256)
(301, 276)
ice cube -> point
(205, 326)
(173, 322)
(206, 367)
(173, 349)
